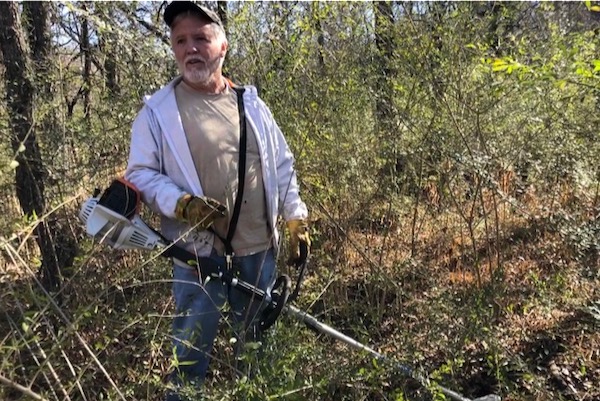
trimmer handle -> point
(303, 252)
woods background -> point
(448, 152)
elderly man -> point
(208, 156)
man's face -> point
(198, 50)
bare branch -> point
(25, 390)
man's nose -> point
(192, 49)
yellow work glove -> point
(299, 242)
(199, 212)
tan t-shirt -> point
(212, 127)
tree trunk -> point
(110, 74)
(38, 16)
(61, 244)
(384, 100)
(106, 45)
(384, 23)
(318, 28)
(30, 172)
(84, 45)
(438, 11)
(222, 12)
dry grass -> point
(506, 307)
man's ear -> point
(224, 47)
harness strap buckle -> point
(229, 261)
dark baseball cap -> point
(177, 7)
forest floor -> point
(511, 307)
(514, 310)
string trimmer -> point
(113, 218)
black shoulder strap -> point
(241, 172)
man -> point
(187, 144)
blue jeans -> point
(198, 311)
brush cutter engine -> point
(112, 218)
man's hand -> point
(299, 242)
(200, 212)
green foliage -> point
(452, 179)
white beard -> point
(202, 74)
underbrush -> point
(510, 307)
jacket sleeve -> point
(144, 167)
(291, 205)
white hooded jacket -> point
(160, 165)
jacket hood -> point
(155, 100)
